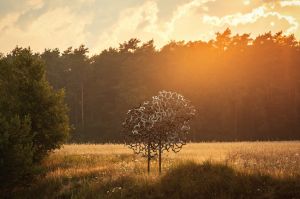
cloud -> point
(186, 20)
(252, 17)
(100, 24)
(35, 3)
(181, 12)
(289, 3)
(139, 21)
(55, 28)
(144, 23)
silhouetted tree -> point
(249, 86)
(158, 125)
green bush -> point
(33, 116)
(16, 150)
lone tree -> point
(161, 124)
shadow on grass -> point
(191, 180)
(188, 180)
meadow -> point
(200, 170)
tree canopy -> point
(161, 124)
(243, 88)
(33, 116)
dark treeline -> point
(242, 88)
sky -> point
(100, 24)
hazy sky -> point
(100, 24)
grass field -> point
(200, 170)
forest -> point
(243, 88)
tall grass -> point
(200, 170)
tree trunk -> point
(296, 104)
(149, 158)
(82, 114)
(159, 156)
(235, 120)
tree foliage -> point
(16, 150)
(159, 124)
(246, 88)
(33, 116)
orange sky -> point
(100, 24)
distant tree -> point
(223, 40)
(158, 125)
(129, 46)
(76, 74)
(55, 69)
(249, 85)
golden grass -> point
(275, 158)
(76, 169)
